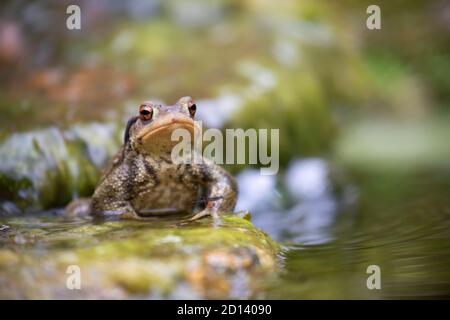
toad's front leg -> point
(112, 197)
(221, 190)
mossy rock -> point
(129, 259)
(46, 168)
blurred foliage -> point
(396, 147)
(168, 49)
(308, 68)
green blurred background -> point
(314, 62)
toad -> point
(143, 180)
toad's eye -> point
(192, 108)
(145, 112)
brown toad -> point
(142, 179)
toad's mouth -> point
(165, 126)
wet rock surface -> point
(128, 259)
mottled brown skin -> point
(142, 179)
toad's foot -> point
(208, 212)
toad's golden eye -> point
(192, 108)
(145, 112)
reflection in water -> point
(402, 225)
(309, 220)
(313, 205)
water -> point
(401, 225)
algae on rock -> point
(135, 259)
